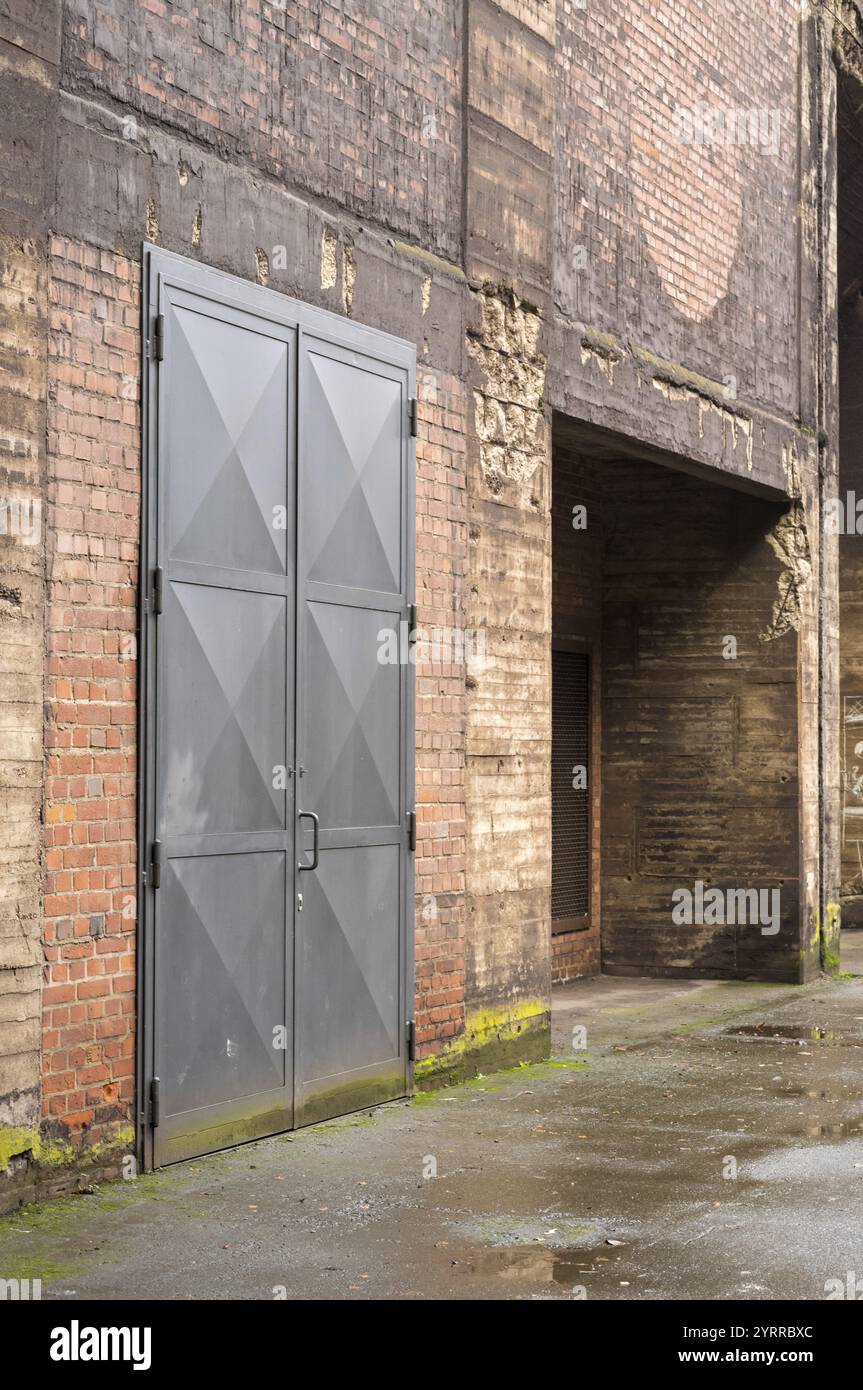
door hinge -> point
(412, 621)
(412, 830)
(411, 1034)
(155, 1109)
(156, 863)
(156, 343)
(413, 416)
(158, 588)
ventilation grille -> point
(570, 806)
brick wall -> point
(29, 55)
(89, 904)
(687, 247)
(699, 755)
(440, 714)
(509, 212)
(700, 739)
(508, 722)
(92, 544)
(359, 104)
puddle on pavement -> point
(835, 1129)
(567, 1267)
(782, 1032)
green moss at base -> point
(17, 1142)
(493, 1039)
(830, 942)
(47, 1164)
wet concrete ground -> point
(600, 1175)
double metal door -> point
(277, 713)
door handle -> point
(316, 829)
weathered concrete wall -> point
(699, 740)
(29, 55)
(851, 604)
(693, 598)
(820, 773)
(356, 105)
(676, 237)
(847, 517)
(694, 292)
(509, 205)
(577, 564)
(508, 732)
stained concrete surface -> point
(598, 1176)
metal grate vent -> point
(570, 805)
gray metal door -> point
(353, 724)
(275, 963)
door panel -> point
(228, 443)
(352, 718)
(223, 710)
(223, 949)
(221, 994)
(355, 1021)
(352, 730)
(277, 561)
(352, 527)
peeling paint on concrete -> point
(329, 259)
(848, 40)
(789, 541)
(508, 405)
(732, 422)
(603, 360)
(262, 266)
(152, 220)
(349, 275)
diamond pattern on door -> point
(352, 533)
(226, 444)
(221, 930)
(352, 717)
(349, 962)
(225, 706)
(261, 664)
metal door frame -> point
(160, 270)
